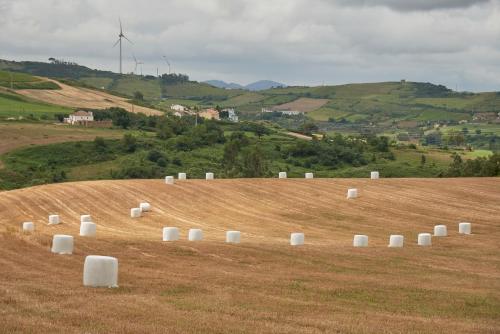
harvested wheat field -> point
(77, 97)
(262, 285)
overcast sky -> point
(298, 42)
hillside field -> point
(77, 97)
(262, 285)
(16, 134)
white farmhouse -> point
(80, 117)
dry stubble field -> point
(262, 285)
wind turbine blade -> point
(127, 39)
(120, 20)
(118, 41)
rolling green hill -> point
(16, 80)
(366, 103)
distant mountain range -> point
(254, 86)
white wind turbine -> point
(119, 41)
(137, 63)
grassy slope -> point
(261, 285)
(14, 135)
(14, 105)
(17, 80)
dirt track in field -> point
(77, 97)
(262, 285)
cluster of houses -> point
(86, 118)
(210, 113)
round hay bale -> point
(309, 176)
(28, 227)
(396, 240)
(352, 193)
(85, 218)
(54, 220)
(135, 212)
(374, 175)
(440, 231)
(360, 240)
(233, 237)
(424, 239)
(209, 176)
(169, 179)
(62, 244)
(170, 234)
(195, 234)
(182, 176)
(145, 206)
(88, 229)
(465, 228)
(282, 175)
(297, 239)
(100, 271)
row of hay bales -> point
(102, 271)
(281, 175)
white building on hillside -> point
(178, 107)
(231, 115)
(80, 117)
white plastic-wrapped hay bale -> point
(233, 237)
(396, 240)
(297, 239)
(182, 176)
(440, 231)
(169, 179)
(54, 220)
(374, 175)
(360, 240)
(170, 234)
(352, 193)
(145, 206)
(282, 175)
(209, 176)
(100, 271)
(85, 218)
(28, 227)
(309, 176)
(62, 244)
(195, 234)
(464, 228)
(88, 229)
(135, 212)
(424, 239)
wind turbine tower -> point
(119, 41)
(168, 63)
(137, 63)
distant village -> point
(86, 118)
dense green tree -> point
(129, 142)
(253, 162)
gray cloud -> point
(418, 5)
(297, 42)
